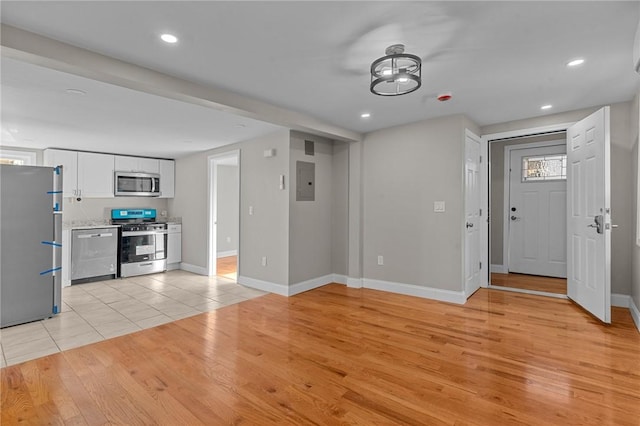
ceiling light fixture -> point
(396, 73)
(543, 107)
(169, 38)
(365, 115)
(575, 62)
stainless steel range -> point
(143, 241)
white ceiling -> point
(500, 60)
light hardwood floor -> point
(227, 267)
(338, 355)
(530, 282)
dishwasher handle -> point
(103, 235)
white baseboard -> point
(354, 282)
(280, 289)
(173, 266)
(635, 313)
(310, 284)
(340, 279)
(498, 269)
(620, 300)
(291, 290)
(193, 268)
(418, 291)
(227, 253)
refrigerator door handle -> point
(57, 237)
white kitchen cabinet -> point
(167, 178)
(95, 175)
(84, 174)
(69, 162)
(149, 165)
(174, 245)
(136, 164)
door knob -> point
(514, 218)
(469, 225)
(598, 223)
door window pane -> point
(544, 168)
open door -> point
(589, 214)
(472, 213)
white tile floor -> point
(101, 310)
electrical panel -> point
(305, 181)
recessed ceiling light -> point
(543, 107)
(365, 115)
(575, 62)
(169, 38)
(78, 92)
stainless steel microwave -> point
(135, 184)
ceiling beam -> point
(39, 50)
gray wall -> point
(190, 203)
(621, 183)
(340, 210)
(265, 233)
(310, 235)
(406, 169)
(228, 208)
(496, 203)
(634, 249)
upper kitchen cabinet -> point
(85, 174)
(136, 164)
(95, 175)
(167, 178)
(69, 162)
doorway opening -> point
(527, 225)
(224, 215)
(588, 210)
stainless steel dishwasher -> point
(94, 254)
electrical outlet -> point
(380, 260)
(439, 206)
(250, 210)
(264, 260)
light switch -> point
(438, 206)
(250, 210)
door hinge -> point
(481, 159)
(480, 212)
(480, 265)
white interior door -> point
(537, 213)
(589, 215)
(472, 213)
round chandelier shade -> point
(396, 73)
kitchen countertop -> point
(104, 223)
(87, 224)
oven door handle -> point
(138, 233)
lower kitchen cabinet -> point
(174, 245)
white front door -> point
(537, 212)
(589, 214)
(472, 213)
